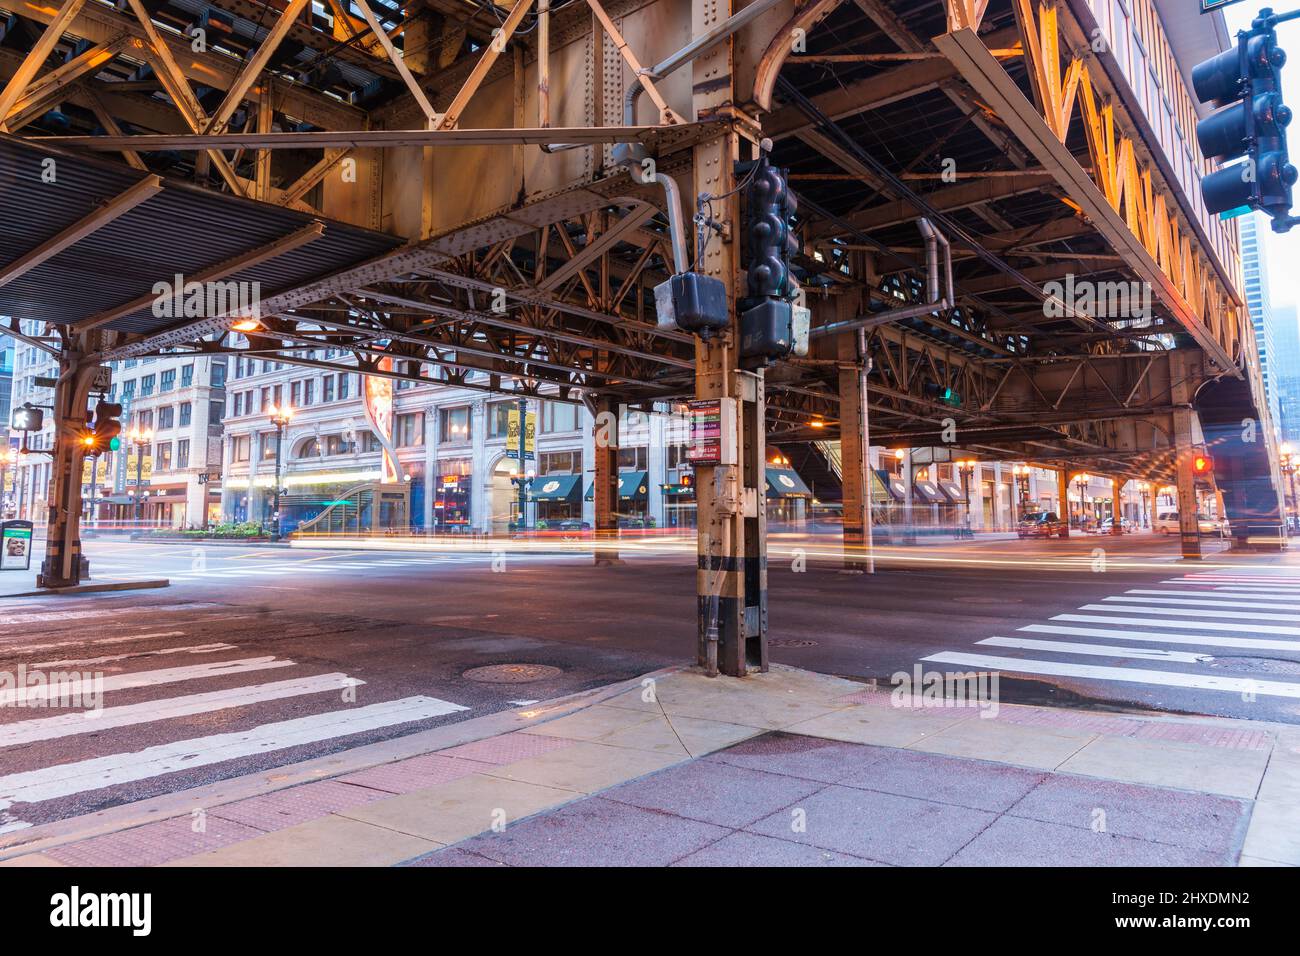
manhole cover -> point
(512, 673)
(792, 643)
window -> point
(166, 416)
(187, 375)
(187, 413)
(239, 448)
(455, 424)
(632, 459)
(309, 392)
(216, 412)
(168, 380)
(268, 445)
(560, 463)
(295, 394)
(144, 419)
(279, 395)
(146, 385)
(327, 389)
(162, 459)
(239, 404)
(183, 453)
(498, 418)
(559, 417)
(410, 429)
(344, 379)
(128, 389)
(218, 375)
(265, 400)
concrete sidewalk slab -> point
(631, 775)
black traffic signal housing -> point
(103, 429)
(771, 325)
(27, 418)
(1245, 82)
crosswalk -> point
(143, 701)
(1198, 631)
(206, 568)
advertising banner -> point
(379, 413)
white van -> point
(1167, 523)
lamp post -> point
(8, 462)
(966, 468)
(1083, 498)
(1290, 465)
(1144, 489)
(280, 417)
(140, 438)
(1021, 473)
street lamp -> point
(966, 468)
(1021, 473)
(1144, 489)
(1083, 499)
(141, 439)
(1291, 465)
(280, 417)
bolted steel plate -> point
(512, 673)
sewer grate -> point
(794, 642)
(1258, 665)
(512, 673)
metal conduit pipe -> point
(935, 301)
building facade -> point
(1254, 266)
(1287, 370)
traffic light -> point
(771, 325)
(104, 429)
(943, 393)
(1245, 82)
(1202, 466)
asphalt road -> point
(259, 657)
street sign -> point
(15, 545)
(1209, 5)
(712, 440)
(103, 379)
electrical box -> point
(692, 302)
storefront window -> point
(452, 488)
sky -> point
(1283, 250)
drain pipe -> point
(936, 302)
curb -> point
(92, 588)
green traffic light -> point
(114, 444)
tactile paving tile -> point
(154, 843)
(285, 808)
(417, 773)
(507, 748)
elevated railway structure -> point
(1000, 231)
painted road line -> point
(27, 648)
(1189, 612)
(1199, 625)
(83, 686)
(1212, 601)
(151, 711)
(1196, 640)
(48, 783)
(1247, 590)
(1235, 685)
(1098, 650)
(191, 649)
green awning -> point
(555, 488)
(786, 483)
(631, 484)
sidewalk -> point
(784, 768)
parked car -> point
(1042, 524)
(1108, 523)
(1167, 523)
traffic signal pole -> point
(62, 566)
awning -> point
(953, 491)
(895, 485)
(555, 488)
(786, 483)
(631, 484)
(928, 493)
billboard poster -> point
(15, 545)
(379, 413)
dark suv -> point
(1042, 524)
